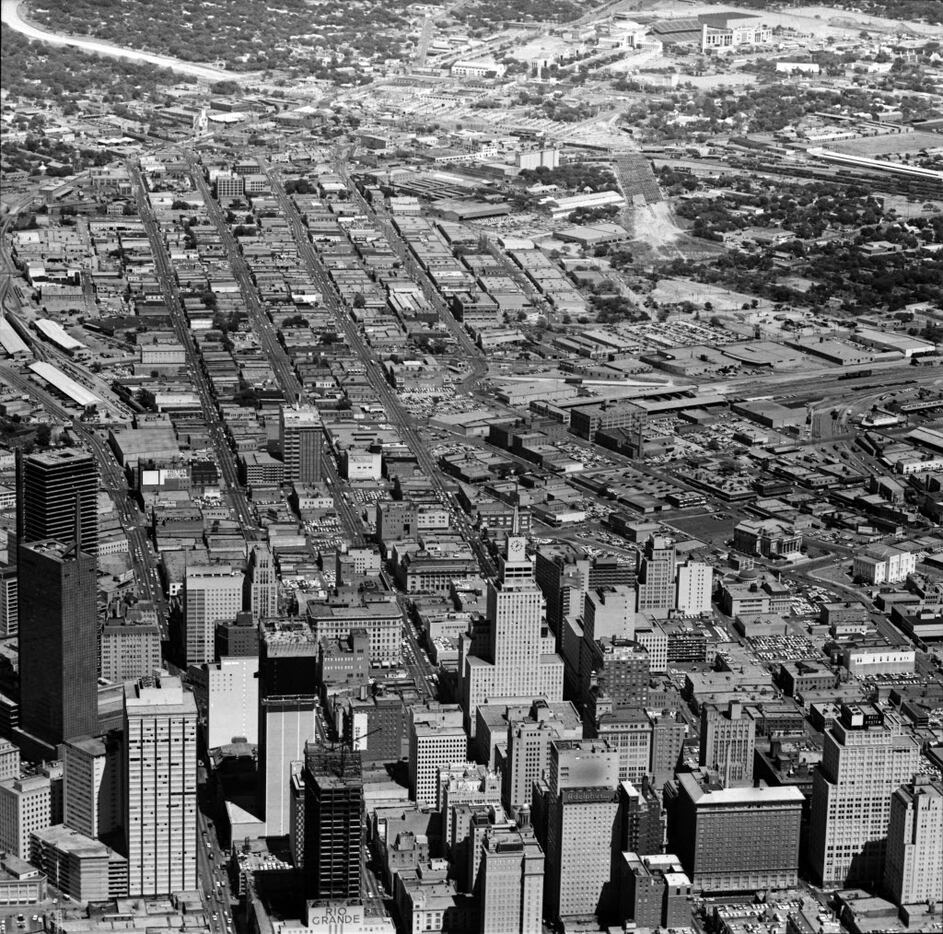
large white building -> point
(511, 661)
(437, 739)
(25, 806)
(882, 564)
(866, 757)
(581, 803)
(233, 700)
(694, 588)
(160, 776)
(211, 595)
(913, 870)
(511, 883)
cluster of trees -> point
(838, 270)
(576, 176)
(892, 9)
(484, 15)
(244, 36)
(34, 71)
(592, 215)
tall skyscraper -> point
(728, 742)
(656, 577)
(576, 816)
(301, 432)
(160, 778)
(232, 700)
(261, 584)
(733, 839)
(507, 661)
(49, 482)
(210, 595)
(866, 757)
(694, 588)
(913, 870)
(511, 883)
(288, 701)
(58, 644)
(333, 780)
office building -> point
(160, 781)
(913, 870)
(437, 738)
(9, 760)
(26, 805)
(511, 883)
(728, 741)
(622, 674)
(656, 577)
(561, 570)
(58, 641)
(641, 826)
(261, 584)
(288, 702)
(865, 759)
(375, 727)
(239, 638)
(211, 595)
(654, 891)
(382, 619)
(78, 865)
(465, 783)
(508, 660)
(301, 432)
(528, 748)
(9, 602)
(232, 701)
(92, 785)
(733, 839)
(576, 815)
(668, 733)
(130, 649)
(694, 588)
(50, 484)
(609, 613)
(333, 814)
(629, 732)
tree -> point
(359, 300)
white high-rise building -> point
(91, 786)
(25, 807)
(913, 870)
(261, 584)
(436, 740)
(865, 759)
(508, 663)
(233, 700)
(160, 775)
(211, 595)
(695, 585)
(511, 883)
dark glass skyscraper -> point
(58, 644)
(49, 483)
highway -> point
(165, 273)
(395, 411)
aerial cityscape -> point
(471, 466)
